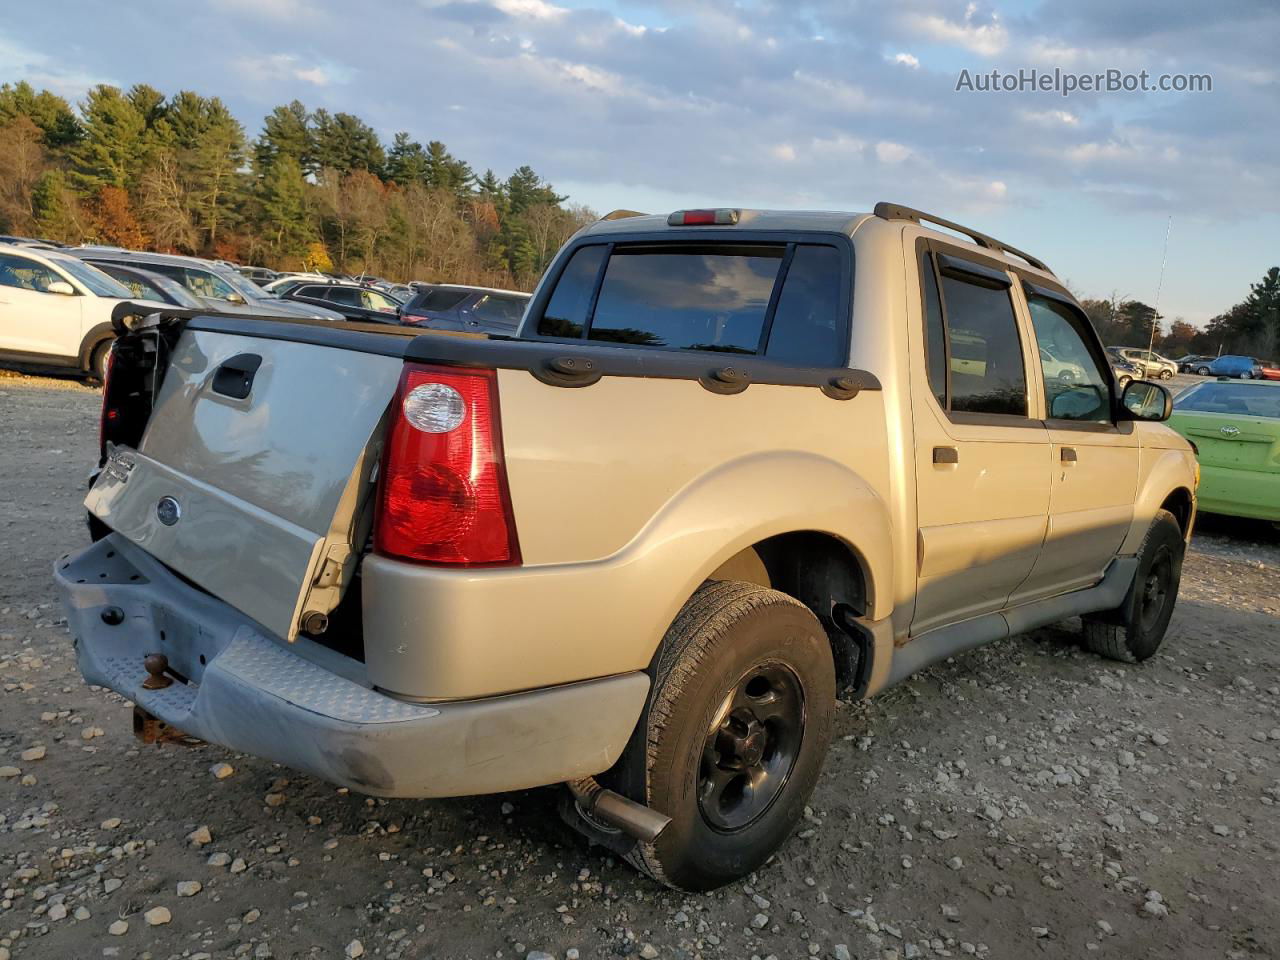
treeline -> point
(314, 189)
(1250, 328)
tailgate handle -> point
(234, 378)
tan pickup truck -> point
(736, 465)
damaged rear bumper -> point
(310, 708)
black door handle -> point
(234, 377)
(1068, 455)
(946, 455)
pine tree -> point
(1264, 302)
(286, 132)
(525, 189)
(407, 162)
(282, 195)
(54, 208)
(344, 143)
(446, 172)
(110, 152)
(46, 110)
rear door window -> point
(502, 311)
(779, 300)
(984, 370)
(439, 300)
(345, 296)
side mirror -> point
(235, 298)
(1147, 401)
(62, 287)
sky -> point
(656, 105)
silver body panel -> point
(268, 486)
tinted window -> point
(504, 311)
(807, 326)
(694, 298)
(314, 291)
(441, 299)
(1075, 387)
(344, 296)
(986, 357)
(935, 335)
(566, 313)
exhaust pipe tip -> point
(609, 807)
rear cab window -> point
(785, 300)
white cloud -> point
(282, 67)
(889, 152)
(284, 10)
(530, 9)
(784, 151)
(984, 39)
(1050, 118)
(907, 60)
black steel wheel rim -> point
(1156, 589)
(751, 747)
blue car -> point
(1244, 368)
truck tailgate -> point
(259, 499)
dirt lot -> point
(1025, 800)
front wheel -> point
(738, 726)
(1203, 371)
(1166, 374)
(1246, 375)
(1133, 631)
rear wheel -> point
(1203, 371)
(1133, 631)
(99, 360)
(738, 726)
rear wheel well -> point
(1179, 504)
(823, 573)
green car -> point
(1235, 428)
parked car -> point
(1060, 369)
(639, 550)
(1125, 372)
(1151, 365)
(447, 306)
(355, 302)
(207, 280)
(153, 286)
(1235, 428)
(1231, 365)
(259, 275)
(55, 311)
(279, 285)
(1271, 370)
(1191, 361)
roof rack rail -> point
(895, 211)
(622, 215)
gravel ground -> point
(1028, 799)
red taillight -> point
(110, 415)
(443, 496)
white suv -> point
(55, 310)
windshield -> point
(242, 285)
(94, 279)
